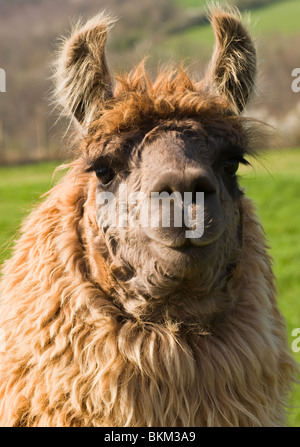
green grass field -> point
(279, 16)
(272, 20)
(274, 184)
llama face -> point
(143, 197)
(174, 136)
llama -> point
(138, 325)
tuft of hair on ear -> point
(81, 77)
(232, 70)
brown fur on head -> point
(118, 126)
(82, 78)
(232, 70)
(108, 326)
(83, 82)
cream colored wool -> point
(84, 348)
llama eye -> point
(231, 167)
(105, 175)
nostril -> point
(166, 189)
(165, 184)
(186, 181)
(159, 189)
(204, 184)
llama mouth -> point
(187, 247)
(183, 245)
(187, 254)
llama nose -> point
(190, 180)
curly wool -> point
(83, 347)
(73, 358)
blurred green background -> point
(33, 142)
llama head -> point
(173, 137)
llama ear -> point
(82, 79)
(232, 70)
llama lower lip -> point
(192, 244)
(186, 260)
(190, 248)
(187, 249)
(187, 246)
